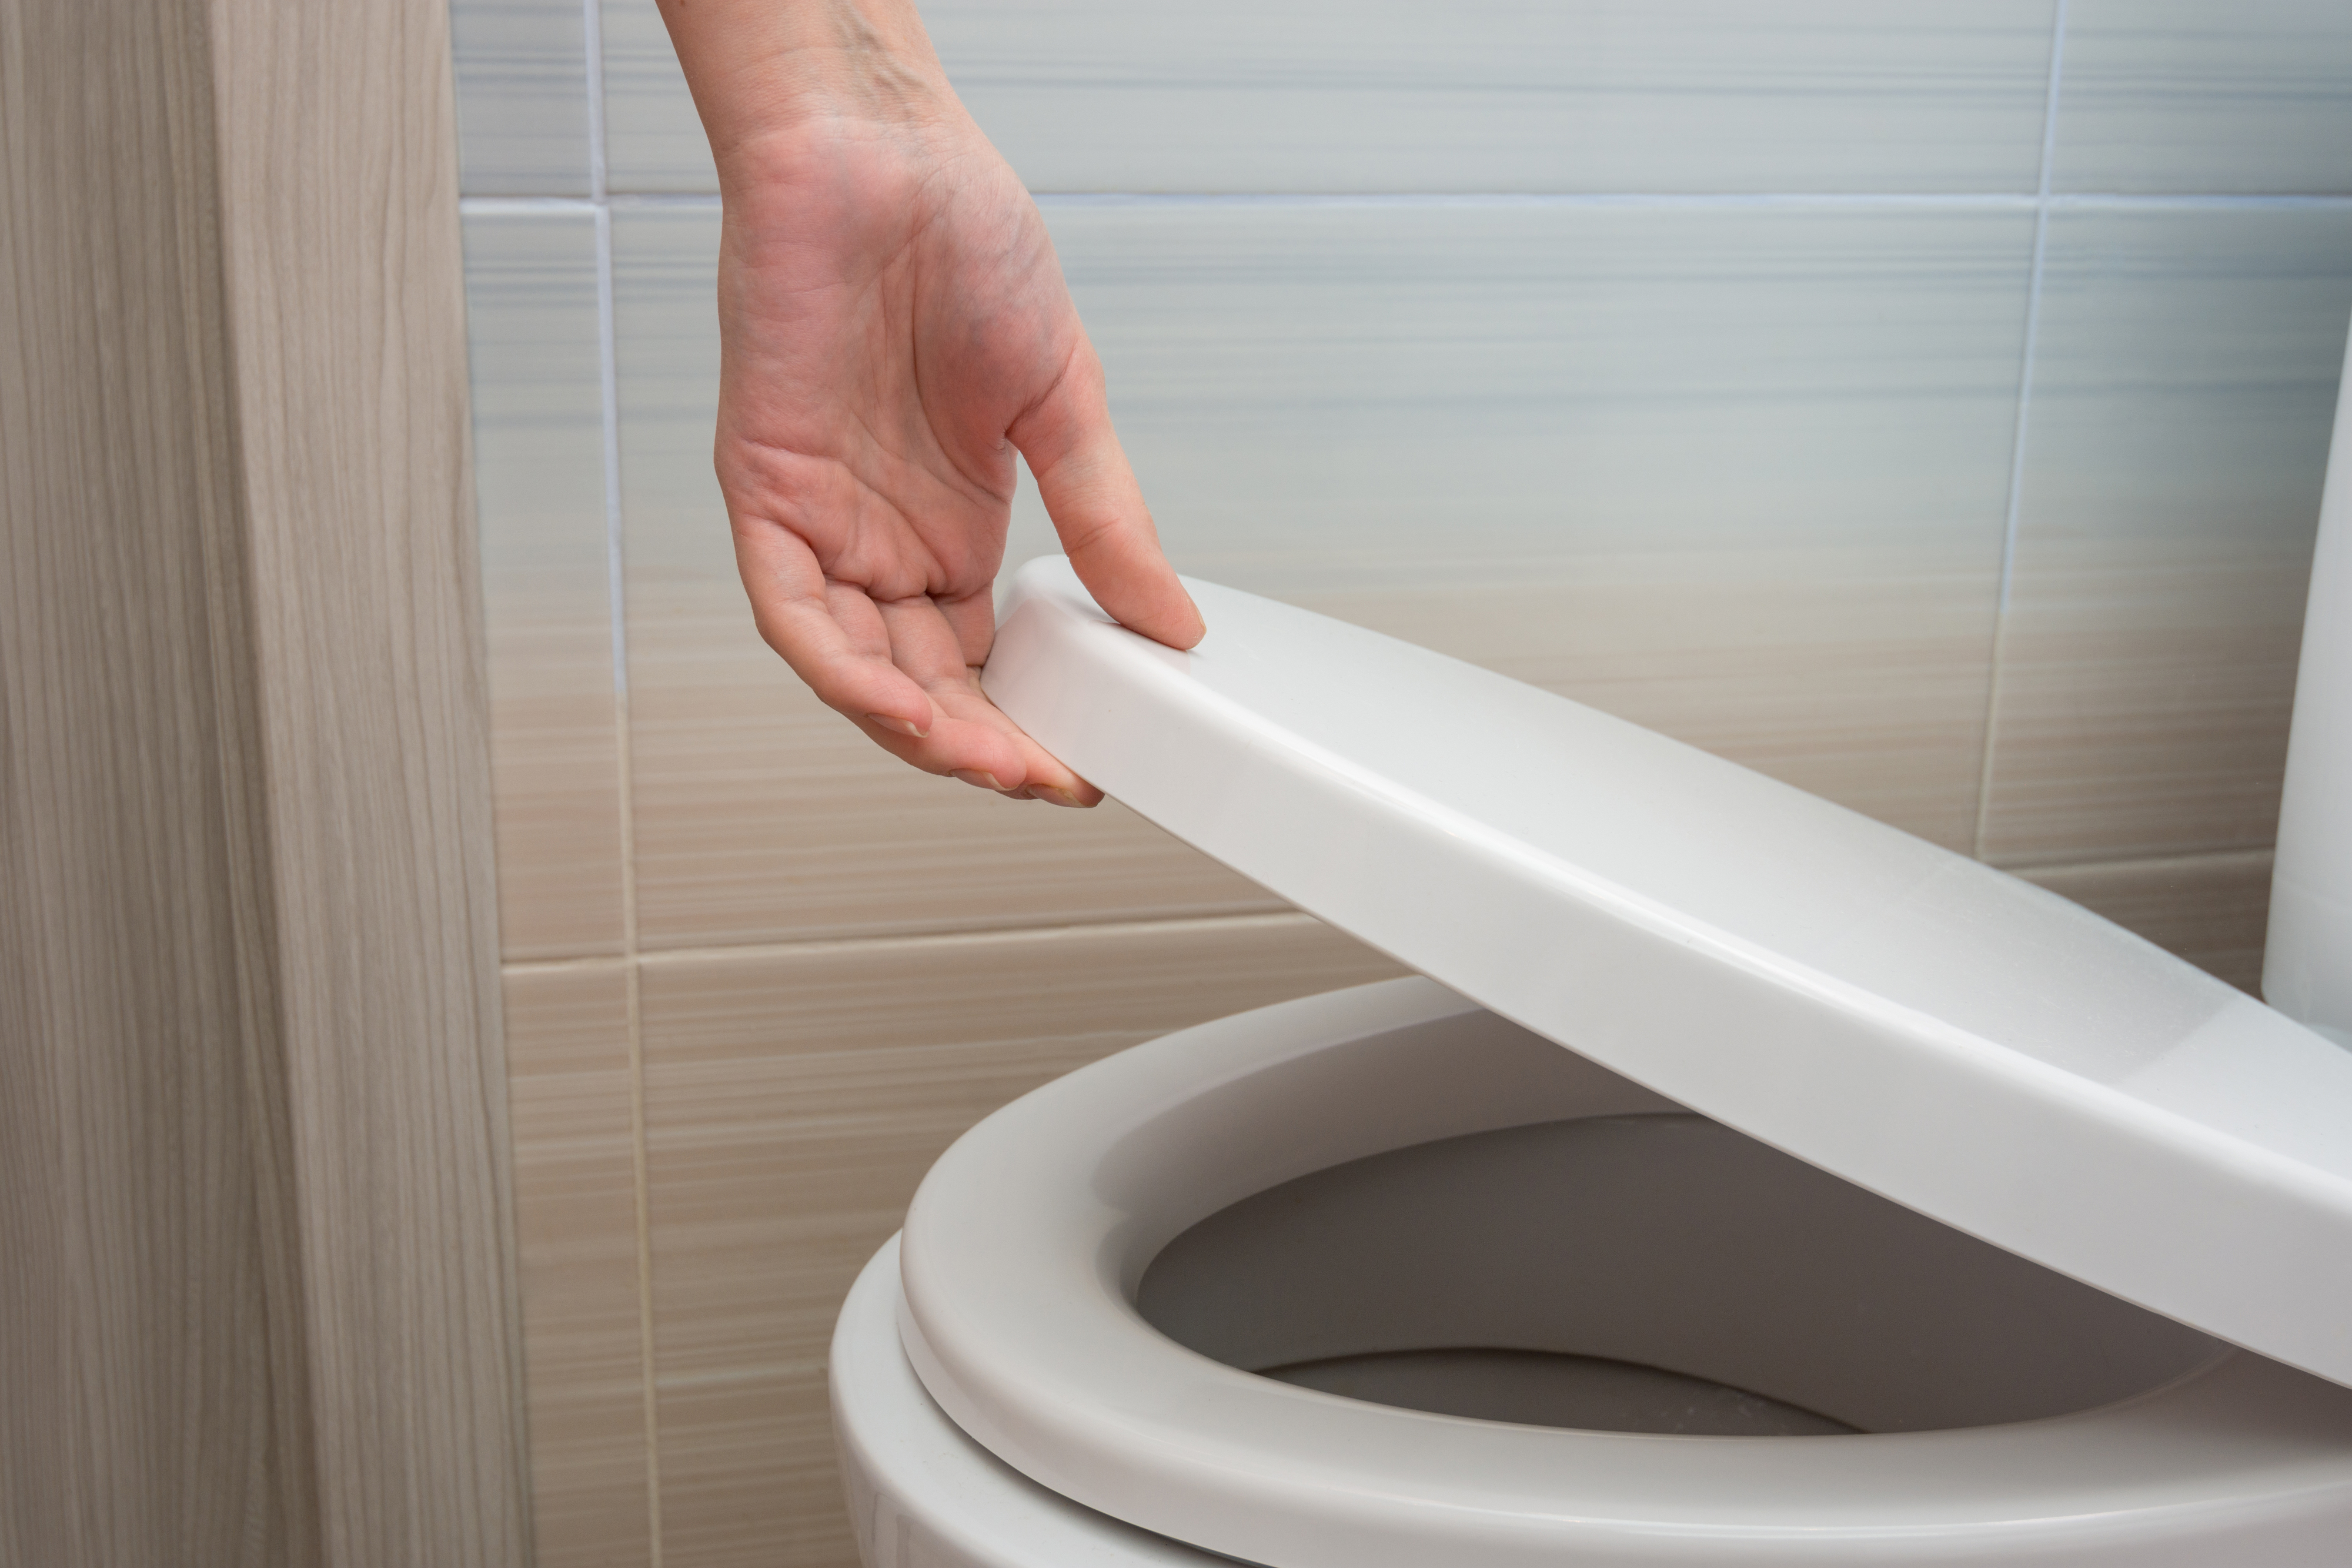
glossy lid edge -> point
(2217, 1230)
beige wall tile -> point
(1858, 674)
(577, 1226)
(760, 814)
(539, 467)
(2185, 381)
(794, 1098)
(2212, 910)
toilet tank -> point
(2307, 966)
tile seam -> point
(578, 964)
(1988, 748)
(664, 958)
(1981, 201)
(592, 51)
(591, 21)
(594, 962)
(2197, 860)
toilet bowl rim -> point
(1089, 1399)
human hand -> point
(894, 326)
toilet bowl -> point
(1741, 1181)
(1072, 1367)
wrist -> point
(764, 73)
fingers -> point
(900, 669)
(1097, 508)
(830, 633)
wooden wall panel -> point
(345, 297)
(253, 1171)
(152, 1341)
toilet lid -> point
(1922, 1025)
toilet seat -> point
(1025, 1249)
(1921, 1025)
(922, 1492)
(1620, 927)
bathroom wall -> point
(1922, 402)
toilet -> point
(1739, 1180)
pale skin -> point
(894, 326)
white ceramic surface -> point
(2308, 968)
(1026, 1248)
(923, 1495)
(1926, 1027)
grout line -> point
(1965, 201)
(608, 375)
(576, 964)
(1173, 925)
(2018, 436)
(592, 39)
(499, 206)
(630, 984)
(2065, 201)
(2195, 860)
(1262, 919)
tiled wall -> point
(1924, 403)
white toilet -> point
(1880, 1209)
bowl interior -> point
(1653, 1273)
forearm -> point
(761, 70)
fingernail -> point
(978, 779)
(1059, 797)
(899, 725)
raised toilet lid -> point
(1922, 1025)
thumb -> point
(1097, 508)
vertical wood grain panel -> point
(259, 1307)
(152, 1346)
(346, 304)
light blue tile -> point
(665, 266)
(2187, 374)
(1320, 394)
(1499, 95)
(653, 139)
(538, 466)
(1495, 95)
(1738, 475)
(522, 96)
(2202, 96)
(538, 470)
